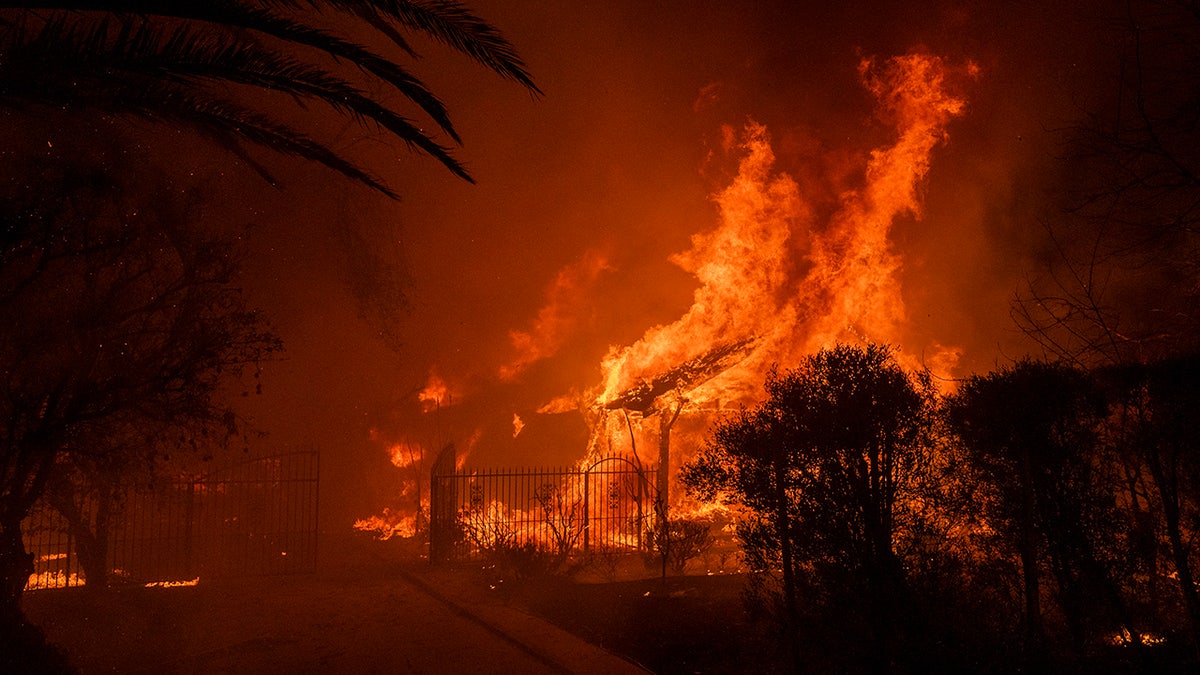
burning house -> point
(778, 277)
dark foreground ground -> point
(692, 624)
(375, 609)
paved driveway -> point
(377, 619)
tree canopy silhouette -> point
(123, 327)
(1117, 284)
(823, 466)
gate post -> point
(442, 504)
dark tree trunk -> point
(877, 565)
(664, 455)
(1168, 491)
(92, 546)
(1183, 569)
(23, 646)
(663, 483)
(783, 529)
(1029, 561)
(91, 538)
(16, 565)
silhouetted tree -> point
(1118, 281)
(824, 467)
(122, 324)
(1156, 406)
(1031, 433)
(125, 318)
(227, 68)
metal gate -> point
(254, 517)
(607, 505)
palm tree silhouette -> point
(220, 66)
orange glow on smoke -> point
(557, 316)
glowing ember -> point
(1125, 638)
(518, 425)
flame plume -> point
(754, 283)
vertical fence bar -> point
(258, 517)
(547, 507)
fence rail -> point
(255, 517)
(605, 506)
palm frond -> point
(188, 55)
(455, 25)
(89, 53)
(232, 14)
(65, 64)
(447, 21)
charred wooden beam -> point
(682, 378)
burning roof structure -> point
(681, 379)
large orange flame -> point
(770, 272)
(853, 292)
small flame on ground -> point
(388, 524)
(60, 579)
(174, 584)
(55, 579)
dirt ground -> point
(375, 607)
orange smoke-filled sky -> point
(518, 286)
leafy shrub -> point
(674, 545)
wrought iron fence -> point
(606, 505)
(254, 517)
